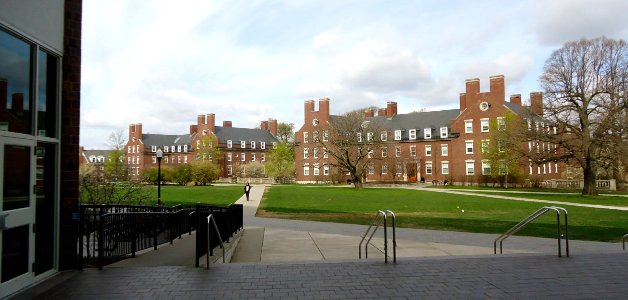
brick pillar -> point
(70, 130)
(391, 108)
(463, 101)
(497, 92)
(515, 99)
(273, 127)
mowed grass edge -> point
(439, 211)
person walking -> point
(247, 190)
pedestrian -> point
(247, 190)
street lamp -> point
(160, 155)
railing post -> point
(198, 233)
(101, 251)
(81, 232)
(154, 224)
(558, 229)
(385, 241)
(134, 235)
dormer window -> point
(229, 144)
(412, 134)
(262, 145)
(398, 135)
(427, 133)
(444, 133)
(384, 136)
(252, 144)
(153, 149)
(242, 144)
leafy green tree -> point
(252, 169)
(182, 174)
(504, 150)
(285, 133)
(207, 149)
(204, 172)
(280, 162)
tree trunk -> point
(589, 179)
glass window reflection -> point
(15, 84)
(47, 95)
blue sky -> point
(161, 63)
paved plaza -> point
(287, 259)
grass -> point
(433, 210)
(571, 198)
(189, 195)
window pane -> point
(15, 84)
(17, 183)
(47, 95)
(14, 252)
(45, 208)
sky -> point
(161, 62)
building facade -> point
(40, 81)
(238, 145)
(424, 146)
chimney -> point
(193, 129)
(381, 112)
(369, 113)
(391, 109)
(472, 91)
(463, 101)
(273, 127)
(308, 109)
(3, 94)
(264, 125)
(138, 129)
(497, 92)
(536, 103)
(17, 102)
(211, 122)
(200, 120)
(323, 108)
(515, 99)
(227, 124)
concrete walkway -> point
(275, 258)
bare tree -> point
(352, 141)
(585, 85)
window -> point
(470, 167)
(468, 147)
(171, 149)
(263, 156)
(428, 150)
(500, 147)
(501, 124)
(325, 135)
(253, 156)
(326, 170)
(412, 134)
(384, 152)
(503, 169)
(229, 170)
(370, 153)
(154, 160)
(325, 153)
(315, 136)
(371, 169)
(369, 136)
(486, 167)
(306, 170)
(128, 150)
(397, 135)
(359, 136)
(427, 133)
(485, 145)
(316, 170)
(444, 149)
(229, 156)
(243, 156)
(398, 169)
(242, 144)
(185, 159)
(398, 151)
(468, 126)
(229, 144)
(179, 148)
(166, 149)
(185, 148)
(305, 139)
(153, 149)
(315, 152)
(306, 153)
(384, 169)
(444, 133)
(384, 136)
(262, 145)
(413, 150)
(252, 144)
(428, 167)
(274, 145)
(484, 124)
(444, 167)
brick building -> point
(238, 145)
(431, 145)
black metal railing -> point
(229, 221)
(109, 233)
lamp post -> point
(160, 155)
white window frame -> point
(262, 145)
(413, 151)
(229, 156)
(484, 125)
(371, 169)
(444, 150)
(325, 135)
(229, 170)
(384, 152)
(398, 135)
(397, 151)
(470, 163)
(229, 144)
(468, 126)
(412, 134)
(444, 132)
(185, 148)
(359, 137)
(444, 167)
(315, 152)
(252, 144)
(242, 144)
(384, 169)
(369, 136)
(486, 165)
(243, 156)
(326, 170)
(325, 153)
(501, 123)
(316, 170)
(428, 150)
(384, 136)
(427, 133)
(306, 170)
(153, 149)
(305, 137)
(428, 167)
(485, 146)
(263, 156)
(253, 156)
(306, 153)
(466, 147)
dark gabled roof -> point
(243, 134)
(523, 111)
(166, 139)
(419, 121)
(103, 153)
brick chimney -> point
(273, 127)
(369, 113)
(264, 125)
(382, 112)
(227, 124)
(497, 90)
(391, 109)
(193, 129)
(323, 108)
(308, 109)
(472, 91)
(515, 99)
(463, 101)
(211, 122)
(536, 103)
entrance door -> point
(17, 214)
(411, 169)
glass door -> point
(17, 214)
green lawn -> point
(571, 198)
(189, 195)
(433, 210)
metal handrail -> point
(380, 217)
(213, 221)
(533, 217)
(624, 240)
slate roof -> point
(104, 153)
(243, 134)
(166, 139)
